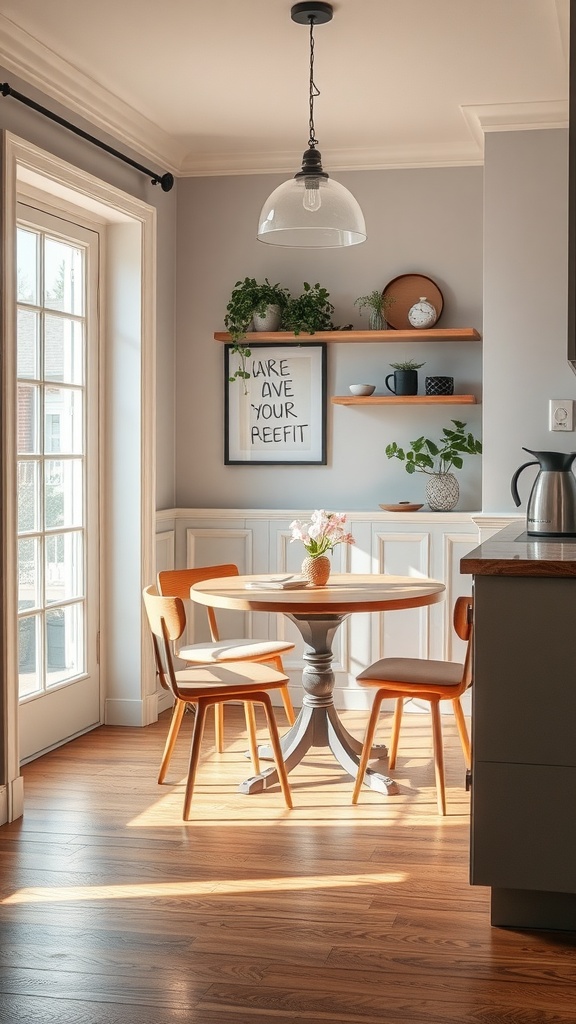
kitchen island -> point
(523, 822)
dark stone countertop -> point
(511, 552)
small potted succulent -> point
(437, 459)
(377, 303)
(405, 377)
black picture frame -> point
(278, 415)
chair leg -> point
(175, 723)
(276, 747)
(219, 727)
(197, 733)
(276, 662)
(396, 723)
(367, 747)
(438, 755)
(288, 706)
(462, 732)
(250, 717)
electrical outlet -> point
(561, 412)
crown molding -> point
(515, 117)
(36, 64)
(30, 60)
(374, 159)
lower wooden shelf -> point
(403, 400)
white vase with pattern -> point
(442, 492)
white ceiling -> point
(221, 86)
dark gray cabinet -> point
(523, 825)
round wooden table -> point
(318, 612)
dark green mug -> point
(405, 382)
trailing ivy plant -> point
(249, 298)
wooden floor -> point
(114, 911)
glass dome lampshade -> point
(313, 212)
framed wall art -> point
(278, 414)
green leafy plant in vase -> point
(250, 299)
(311, 311)
(437, 459)
(377, 303)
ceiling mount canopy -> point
(311, 210)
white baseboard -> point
(137, 713)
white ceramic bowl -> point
(362, 389)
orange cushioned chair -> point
(205, 685)
(427, 680)
(177, 583)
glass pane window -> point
(64, 567)
(63, 277)
(63, 493)
(63, 349)
(64, 644)
(28, 328)
(29, 646)
(28, 496)
(63, 421)
(52, 450)
(29, 573)
(27, 269)
(28, 419)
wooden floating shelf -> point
(288, 338)
(403, 400)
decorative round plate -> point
(402, 506)
(405, 291)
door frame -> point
(129, 699)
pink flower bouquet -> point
(326, 530)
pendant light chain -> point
(311, 210)
(314, 90)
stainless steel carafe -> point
(552, 503)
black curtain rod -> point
(166, 181)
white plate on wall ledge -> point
(402, 506)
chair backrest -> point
(167, 620)
(177, 583)
(464, 627)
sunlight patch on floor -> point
(163, 890)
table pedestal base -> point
(320, 727)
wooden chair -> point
(205, 685)
(177, 583)
(427, 680)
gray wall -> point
(423, 221)
(525, 305)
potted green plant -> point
(437, 459)
(405, 377)
(377, 304)
(311, 311)
(248, 300)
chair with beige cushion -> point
(177, 583)
(206, 685)
(404, 678)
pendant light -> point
(311, 210)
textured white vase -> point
(270, 321)
(442, 492)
